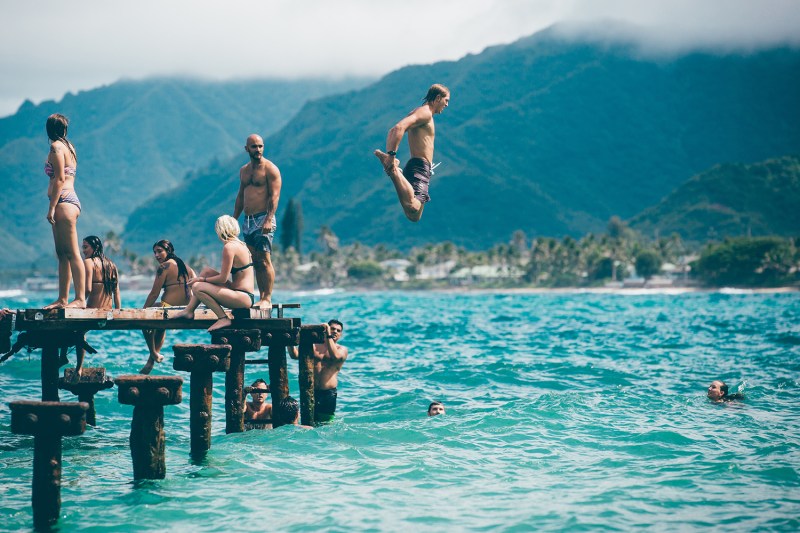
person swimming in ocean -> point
(412, 183)
(718, 392)
(435, 408)
(329, 357)
(258, 413)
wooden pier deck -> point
(55, 329)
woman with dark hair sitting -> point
(102, 284)
(173, 276)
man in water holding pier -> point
(329, 357)
(258, 413)
(259, 192)
(412, 183)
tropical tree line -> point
(616, 255)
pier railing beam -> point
(47, 422)
(201, 360)
(92, 381)
(309, 335)
(148, 395)
(241, 341)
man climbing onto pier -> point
(259, 192)
(412, 183)
(329, 357)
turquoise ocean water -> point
(565, 412)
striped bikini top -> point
(68, 170)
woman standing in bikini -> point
(213, 288)
(102, 284)
(173, 276)
(61, 167)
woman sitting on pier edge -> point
(65, 208)
(174, 276)
(213, 288)
(102, 284)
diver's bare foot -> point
(186, 315)
(147, 368)
(77, 304)
(383, 156)
(266, 303)
(76, 376)
(157, 357)
(219, 324)
(58, 304)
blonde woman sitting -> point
(213, 288)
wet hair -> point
(724, 389)
(286, 411)
(334, 321)
(258, 382)
(56, 127)
(109, 270)
(183, 272)
(432, 404)
(227, 228)
(436, 90)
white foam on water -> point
(11, 293)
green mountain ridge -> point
(135, 141)
(730, 200)
(544, 135)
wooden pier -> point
(56, 330)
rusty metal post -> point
(148, 395)
(92, 381)
(309, 335)
(47, 422)
(51, 342)
(201, 360)
(50, 366)
(6, 327)
(240, 341)
(276, 359)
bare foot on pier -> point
(219, 324)
(77, 304)
(266, 303)
(58, 304)
(186, 315)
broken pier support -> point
(92, 381)
(201, 360)
(148, 395)
(241, 341)
(47, 422)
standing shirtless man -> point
(259, 192)
(328, 360)
(412, 183)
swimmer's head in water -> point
(717, 391)
(435, 408)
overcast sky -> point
(50, 47)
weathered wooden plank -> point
(151, 318)
(149, 313)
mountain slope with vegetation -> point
(544, 135)
(730, 200)
(135, 141)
